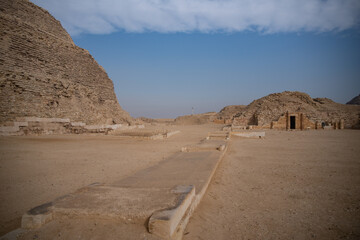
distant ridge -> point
(354, 101)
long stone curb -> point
(165, 223)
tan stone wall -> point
(308, 124)
(240, 121)
(280, 124)
(219, 121)
(301, 122)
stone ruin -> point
(43, 74)
(48, 126)
(296, 110)
(299, 121)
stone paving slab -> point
(183, 168)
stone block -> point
(233, 128)
(47, 120)
(9, 129)
(77, 124)
(157, 137)
(30, 221)
(163, 223)
(249, 134)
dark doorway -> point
(292, 122)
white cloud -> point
(269, 16)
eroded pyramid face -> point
(44, 74)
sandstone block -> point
(29, 221)
(163, 223)
(249, 134)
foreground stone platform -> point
(159, 199)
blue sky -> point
(167, 56)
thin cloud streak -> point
(171, 16)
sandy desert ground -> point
(290, 185)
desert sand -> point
(290, 185)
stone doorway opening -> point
(292, 122)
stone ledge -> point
(163, 223)
(218, 135)
(44, 120)
(249, 134)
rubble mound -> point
(354, 101)
(44, 74)
(263, 111)
(196, 119)
(229, 112)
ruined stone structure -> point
(299, 121)
(296, 110)
(44, 74)
(292, 121)
(226, 115)
(47, 126)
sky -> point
(166, 57)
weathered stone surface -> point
(262, 112)
(227, 113)
(44, 74)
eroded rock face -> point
(44, 74)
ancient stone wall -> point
(302, 122)
(44, 74)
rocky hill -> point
(44, 74)
(354, 101)
(264, 110)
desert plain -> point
(288, 185)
